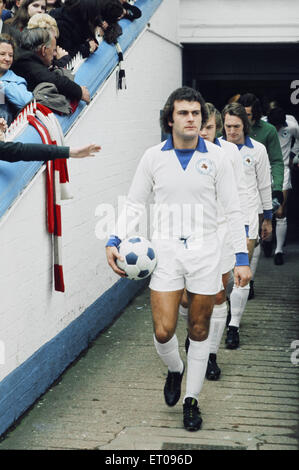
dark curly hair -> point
(277, 117)
(180, 94)
(249, 99)
(112, 33)
(111, 10)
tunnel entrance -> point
(270, 71)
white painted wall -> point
(125, 123)
(166, 22)
(212, 21)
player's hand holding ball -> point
(134, 258)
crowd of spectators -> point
(38, 38)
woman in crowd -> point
(13, 89)
(26, 10)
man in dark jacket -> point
(35, 56)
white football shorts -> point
(181, 264)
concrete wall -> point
(125, 123)
(212, 21)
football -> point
(139, 257)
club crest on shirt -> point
(248, 160)
(204, 166)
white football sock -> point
(281, 232)
(217, 325)
(255, 259)
(169, 354)
(238, 300)
(197, 360)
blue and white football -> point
(139, 257)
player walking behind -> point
(258, 178)
(288, 134)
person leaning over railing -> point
(35, 56)
(14, 94)
(77, 21)
(17, 151)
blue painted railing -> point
(14, 177)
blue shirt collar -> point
(216, 141)
(201, 145)
(247, 142)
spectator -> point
(36, 54)
(77, 21)
(4, 27)
(12, 6)
(5, 14)
(12, 87)
(43, 20)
